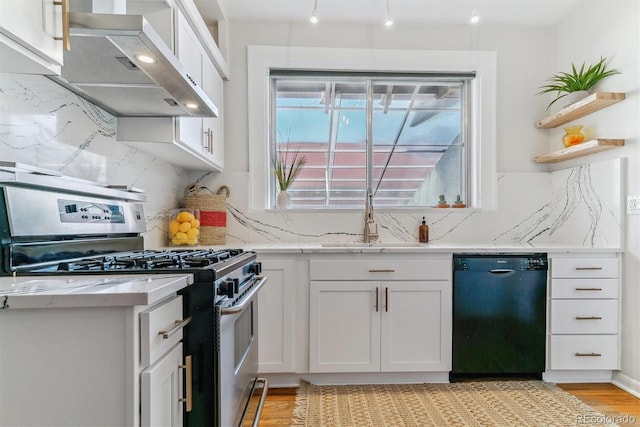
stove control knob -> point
(226, 287)
(236, 284)
(255, 267)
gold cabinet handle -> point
(179, 325)
(588, 355)
(384, 270)
(588, 318)
(188, 399)
(377, 299)
(66, 33)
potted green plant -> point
(579, 81)
(286, 171)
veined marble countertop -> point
(415, 247)
(88, 290)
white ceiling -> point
(511, 12)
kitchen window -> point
(432, 128)
(401, 137)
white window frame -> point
(482, 164)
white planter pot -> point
(574, 97)
(283, 201)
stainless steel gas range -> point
(55, 225)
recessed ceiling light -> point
(146, 59)
(314, 17)
(191, 105)
(474, 17)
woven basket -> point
(213, 212)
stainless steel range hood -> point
(104, 66)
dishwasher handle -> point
(501, 271)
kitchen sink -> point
(373, 245)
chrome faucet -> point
(370, 226)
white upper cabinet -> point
(31, 33)
(195, 143)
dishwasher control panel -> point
(488, 262)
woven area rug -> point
(486, 403)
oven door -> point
(237, 360)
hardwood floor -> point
(606, 398)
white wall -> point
(611, 29)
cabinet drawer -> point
(584, 352)
(380, 269)
(584, 288)
(153, 323)
(584, 267)
(584, 316)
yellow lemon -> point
(192, 233)
(174, 227)
(184, 216)
(185, 226)
(195, 223)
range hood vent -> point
(109, 65)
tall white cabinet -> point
(380, 314)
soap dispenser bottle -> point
(423, 232)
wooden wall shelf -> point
(584, 149)
(588, 105)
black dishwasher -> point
(499, 315)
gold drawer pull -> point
(588, 355)
(588, 318)
(383, 270)
(179, 325)
(188, 399)
(588, 289)
(588, 268)
(66, 34)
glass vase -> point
(572, 136)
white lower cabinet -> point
(92, 366)
(398, 323)
(161, 388)
(276, 317)
(584, 312)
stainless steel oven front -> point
(237, 360)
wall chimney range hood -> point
(120, 63)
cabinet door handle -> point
(588, 318)
(377, 299)
(386, 299)
(588, 289)
(188, 399)
(588, 355)
(66, 36)
(179, 325)
(383, 270)
(588, 268)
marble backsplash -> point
(577, 207)
(45, 125)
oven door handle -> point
(246, 300)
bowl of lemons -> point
(184, 227)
